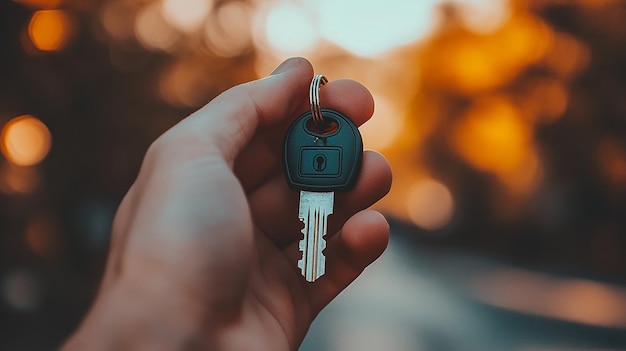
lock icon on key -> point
(317, 161)
(320, 162)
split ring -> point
(314, 99)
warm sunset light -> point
(229, 32)
(546, 99)
(492, 136)
(181, 85)
(523, 40)
(25, 140)
(118, 19)
(186, 15)
(18, 180)
(485, 16)
(574, 300)
(381, 131)
(611, 155)
(430, 204)
(290, 29)
(43, 236)
(470, 63)
(49, 30)
(152, 30)
(567, 55)
(370, 28)
(466, 63)
(503, 123)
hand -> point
(205, 244)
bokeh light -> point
(484, 16)
(524, 40)
(494, 137)
(430, 204)
(50, 30)
(229, 32)
(545, 100)
(567, 55)
(471, 63)
(289, 29)
(574, 300)
(93, 220)
(25, 140)
(186, 15)
(381, 131)
(611, 155)
(43, 236)
(152, 30)
(18, 180)
(118, 19)
(370, 28)
(182, 84)
(21, 290)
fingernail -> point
(287, 65)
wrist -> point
(123, 318)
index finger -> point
(224, 126)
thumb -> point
(228, 122)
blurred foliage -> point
(553, 194)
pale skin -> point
(204, 244)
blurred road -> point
(420, 299)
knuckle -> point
(159, 149)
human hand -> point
(205, 243)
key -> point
(318, 163)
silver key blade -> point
(314, 210)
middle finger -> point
(274, 205)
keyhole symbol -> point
(319, 162)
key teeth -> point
(322, 245)
(314, 210)
(302, 245)
(301, 264)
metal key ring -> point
(314, 99)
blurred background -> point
(504, 122)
